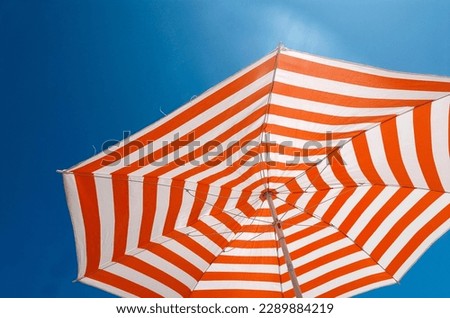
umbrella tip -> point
(281, 46)
(61, 171)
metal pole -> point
(282, 241)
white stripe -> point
(167, 267)
(390, 220)
(370, 211)
(378, 155)
(187, 202)
(141, 279)
(334, 110)
(408, 233)
(349, 205)
(364, 68)
(405, 131)
(108, 288)
(351, 164)
(439, 139)
(135, 197)
(256, 252)
(105, 200)
(422, 249)
(162, 205)
(76, 217)
(346, 89)
(238, 284)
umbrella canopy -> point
(297, 175)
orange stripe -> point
(422, 136)
(398, 228)
(316, 179)
(193, 245)
(359, 209)
(337, 203)
(175, 259)
(121, 215)
(149, 199)
(296, 220)
(421, 235)
(315, 201)
(241, 276)
(200, 196)
(307, 135)
(157, 274)
(191, 112)
(314, 246)
(339, 170)
(222, 198)
(210, 233)
(302, 66)
(364, 159)
(87, 194)
(229, 221)
(356, 284)
(290, 112)
(228, 259)
(380, 216)
(123, 284)
(340, 100)
(174, 205)
(389, 133)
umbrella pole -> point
(282, 241)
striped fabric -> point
(355, 158)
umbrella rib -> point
(359, 134)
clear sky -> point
(74, 74)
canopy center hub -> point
(272, 192)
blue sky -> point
(74, 74)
